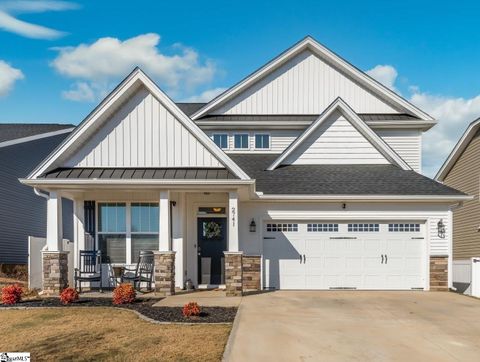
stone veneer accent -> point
(233, 274)
(251, 272)
(55, 271)
(439, 273)
(164, 272)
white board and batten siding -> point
(143, 133)
(336, 142)
(305, 84)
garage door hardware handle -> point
(386, 259)
(342, 237)
(304, 258)
(268, 237)
(300, 255)
(382, 258)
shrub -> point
(124, 294)
(12, 294)
(191, 310)
(68, 295)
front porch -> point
(194, 235)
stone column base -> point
(233, 274)
(439, 273)
(55, 271)
(164, 273)
(251, 265)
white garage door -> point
(355, 255)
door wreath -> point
(212, 230)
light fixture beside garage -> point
(344, 206)
(441, 229)
(253, 226)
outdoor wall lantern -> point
(441, 229)
(253, 226)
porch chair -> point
(90, 268)
(143, 271)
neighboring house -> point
(304, 175)
(461, 170)
(22, 213)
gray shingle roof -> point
(141, 173)
(190, 108)
(337, 179)
(12, 131)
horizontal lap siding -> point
(336, 141)
(464, 176)
(407, 144)
(304, 85)
(22, 212)
(143, 133)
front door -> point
(212, 243)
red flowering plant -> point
(124, 294)
(12, 294)
(68, 295)
(191, 309)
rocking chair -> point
(90, 268)
(143, 271)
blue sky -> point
(58, 58)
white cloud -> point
(8, 22)
(385, 74)
(206, 96)
(453, 114)
(80, 92)
(8, 77)
(108, 59)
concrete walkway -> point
(356, 326)
(204, 298)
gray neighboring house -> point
(22, 212)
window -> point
(144, 227)
(282, 227)
(241, 140)
(221, 140)
(407, 228)
(363, 227)
(112, 232)
(322, 228)
(262, 141)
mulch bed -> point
(144, 307)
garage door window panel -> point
(319, 228)
(407, 228)
(360, 228)
(282, 228)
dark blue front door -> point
(212, 243)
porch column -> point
(78, 228)
(54, 260)
(233, 221)
(164, 222)
(54, 222)
(164, 272)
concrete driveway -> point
(356, 326)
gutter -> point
(41, 194)
(396, 198)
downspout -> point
(450, 254)
(41, 194)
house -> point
(461, 170)
(23, 214)
(304, 175)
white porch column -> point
(78, 228)
(233, 221)
(54, 222)
(164, 223)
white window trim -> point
(222, 134)
(128, 227)
(248, 141)
(269, 148)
